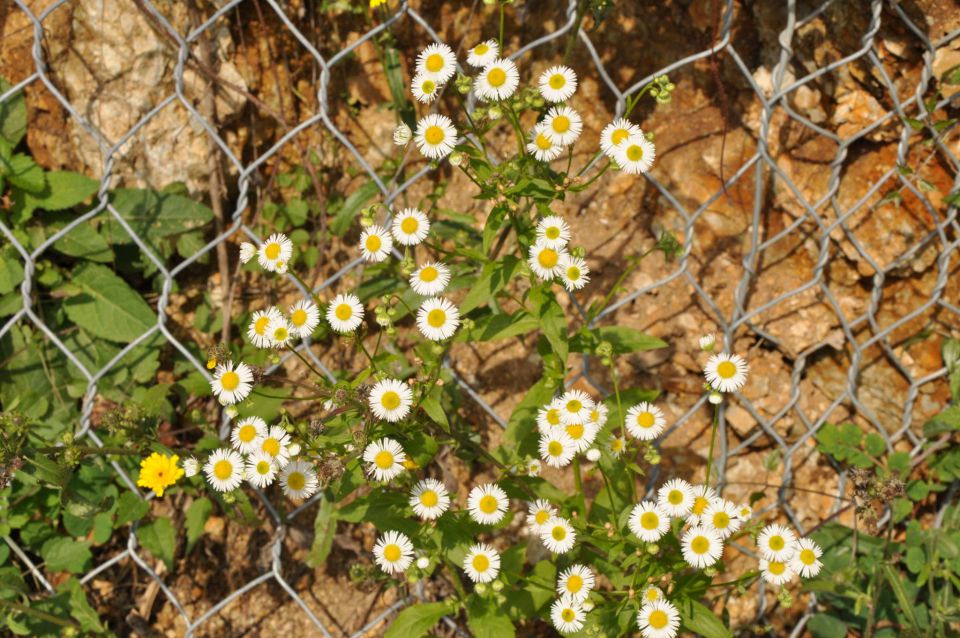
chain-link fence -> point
(832, 222)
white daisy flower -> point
(276, 443)
(541, 146)
(651, 594)
(224, 470)
(437, 61)
(279, 332)
(410, 227)
(275, 252)
(299, 480)
(247, 251)
(776, 572)
(557, 84)
(246, 432)
(645, 421)
(437, 319)
(557, 449)
(635, 155)
(375, 244)
(483, 54)
(707, 342)
(563, 125)
(548, 417)
(553, 231)
(534, 467)
(658, 619)
(701, 547)
(384, 458)
(345, 313)
(721, 516)
(726, 372)
(617, 445)
(482, 563)
(567, 615)
(231, 384)
(304, 318)
(402, 134)
(648, 521)
(487, 504)
(393, 552)
(558, 535)
(598, 415)
(436, 136)
(424, 88)
(676, 497)
(576, 582)
(806, 561)
(390, 400)
(430, 279)
(777, 543)
(429, 499)
(497, 81)
(744, 511)
(573, 272)
(257, 332)
(190, 467)
(260, 470)
(575, 406)
(702, 497)
(616, 133)
(544, 261)
(582, 435)
(538, 513)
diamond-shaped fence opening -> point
(784, 242)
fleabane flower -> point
(487, 504)
(554, 231)
(557, 449)
(575, 406)
(701, 547)
(658, 619)
(582, 435)
(224, 470)
(534, 467)
(437, 319)
(806, 560)
(548, 417)
(437, 61)
(260, 470)
(635, 155)
(777, 543)
(231, 384)
(557, 84)
(424, 88)
(483, 54)
(645, 421)
(544, 260)
(702, 497)
(276, 444)
(410, 227)
(776, 572)
(617, 445)
(573, 272)
(402, 134)
(616, 133)
(744, 511)
(567, 615)
(279, 332)
(384, 459)
(497, 81)
(563, 125)
(538, 513)
(648, 521)
(558, 535)
(482, 563)
(676, 497)
(393, 552)
(726, 372)
(541, 146)
(430, 279)
(436, 136)
(721, 516)
(651, 594)
(304, 318)
(345, 313)
(429, 499)
(299, 480)
(275, 253)
(257, 332)
(247, 251)
(245, 433)
(158, 472)
(707, 342)
(390, 400)
(576, 582)
(375, 244)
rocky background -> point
(816, 233)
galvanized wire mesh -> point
(826, 213)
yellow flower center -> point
(808, 557)
(700, 544)
(553, 416)
(574, 406)
(263, 468)
(652, 594)
(392, 553)
(573, 273)
(481, 49)
(646, 419)
(553, 232)
(726, 370)
(558, 533)
(343, 311)
(777, 543)
(281, 334)
(271, 446)
(299, 317)
(296, 481)
(776, 568)
(488, 504)
(555, 448)
(223, 469)
(434, 62)
(557, 81)
(436, 318)
(616, 445)
(649, 520)
(434, 135)
(575, 431)
(543, 143)
(246, 433)
(260, 326)
(384, 459)
(675, 497)
(568, 614)
(373, 243)
(272, 251)
(428, 87)
(496, 77)
(619, 135)
(548, 258)
(658, 619)
(574, 583)
(700, 504)
(481, 563)
(429, 498)
(390, 400)
(561, 124)
(409, 225)
(542, 517)
(721, 520)
(428, 274)
(635, 153)
(230, 380)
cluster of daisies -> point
(548, 257)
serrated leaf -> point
(65, 554)
(160, 538)
(324, 529)
(197, 515)
(62, 190)
(13, 115)
(415, 621)
(153, 215)
(107, 307)
(21, 171)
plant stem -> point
(713, 438)
(578, 483)
(36, 613)
(500, 39)
(581, 10)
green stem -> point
(581, 187)
(500, 39)
(578, 483)
(36, 613)
(581, 11)
(713, 438)
(306, 363)
(623, 429)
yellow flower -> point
(158, 472)
(376, 3)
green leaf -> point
(552, 321)
(492, 279)
(947, 421)
(431, 405)
(160, 538)
(518, 437)
(65, 554)
(415, 621)
(351, 207)
(875, 444)
(82, 241)
(906, 602)
(107, 306)
(702, 621)
(130, 507)
(80, 608)
(487, 621)
(491, 327)
(11, 272)
(62, 190)
(826, 626)
(324, 529)
(13, 115)
(21, 171)
(951, 76)
(622, 339)
(197, 515)
(153, 215)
